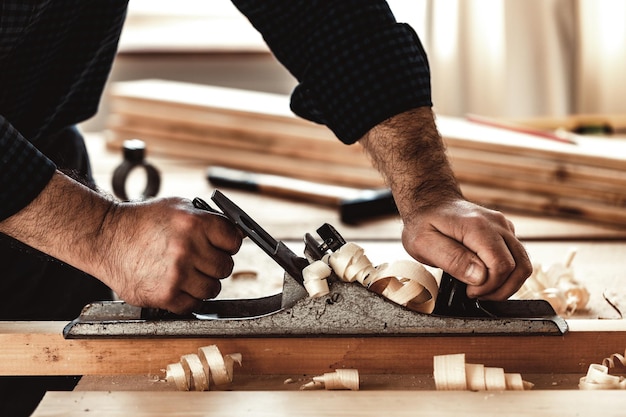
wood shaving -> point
(608, 297)
(610, 361)
(341, 379)
(244, 274)
(598, 377)
(558, 286)
(452, 373)
(405, 282)
(196, 372)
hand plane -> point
(348, 310)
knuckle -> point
(178, 251)
(526, 269)
(185, 221)
(503, 267)
(474, 223)
(499, 217)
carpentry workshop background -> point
(529, 98)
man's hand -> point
(166, 253)
(474, 244)
(162, 253)
(442, 229)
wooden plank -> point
(239, 106)
(545, 204)
(268, 163)
(572, 122)
(39, 349)
(549, 171)
(279, 142)
(141, 108)
(335, 403)
(577, 196)
(219, 100)
(591, 151)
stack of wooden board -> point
(235, 128)
(257, 132)
(506, 169)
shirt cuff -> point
(362, 80)
(24, 171)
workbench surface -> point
(598, 264)
(336, 403)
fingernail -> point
(474, 274)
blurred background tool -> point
(134, 151)
(355, 205)
(558, 135)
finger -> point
(222, 233)
(192, 292)
(498, 259)
(441, 251)
(523, 269)
(202, 287)
(183, 303)
(211, 262)
(511, 226)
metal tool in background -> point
(348, 309)
(134, 151)
(353, 204)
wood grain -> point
(334, 403)
(37, 348)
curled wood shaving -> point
(341, 379)
(244, 274)
(196, 372)
(558, 286)
(453, 374)
(405, 282)
(610, 361)
(612, 303)
(598, 377)
(315, 279)
(175, 372)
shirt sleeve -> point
(24, 171)
(355, 65)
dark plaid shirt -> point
(356, 66)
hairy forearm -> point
(409, 152)
(67, 221)
(441, 228)
(158, 253)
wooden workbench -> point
(121, 375)
(337, 403)
(124, 375)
